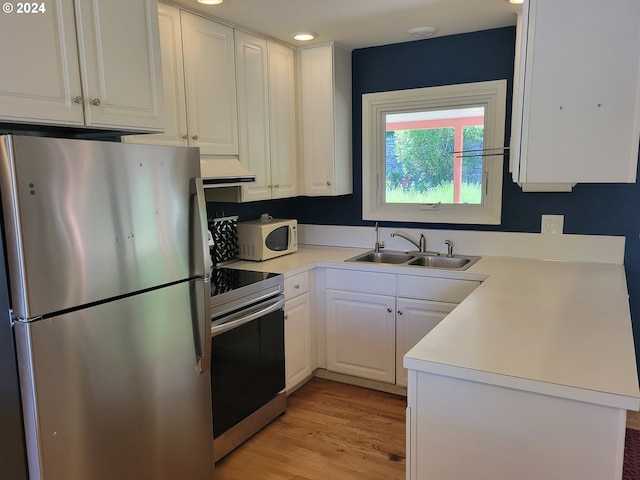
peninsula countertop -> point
(553, 327)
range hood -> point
(224, 171)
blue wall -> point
(474, 57)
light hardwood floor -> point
(633, 419)
(330, 430)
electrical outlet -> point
(552, 224)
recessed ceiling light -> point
(516, 2)
(422, 32)
(304, 36)
(211, 2)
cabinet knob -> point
(286, 317)
(276, 185)
(77, 100)
(328, 184)
(399, 312)
(389, 310)
(185, 137)
(95, 102)
(195, 137)
(296, 286)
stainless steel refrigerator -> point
(107, 259)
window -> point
(434, 154)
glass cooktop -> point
(227, 279)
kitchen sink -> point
(416, 259)
(440, 261)
(383, 257)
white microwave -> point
(267, 238)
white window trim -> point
(375, 106)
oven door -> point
(247, 362)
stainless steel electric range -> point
(247, 354)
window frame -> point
(375, 106)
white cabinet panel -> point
(325, 79)
(366, 282)
(41, 43)
(296, 285)
(297, 314)
(577, 95)
(210, 80)
(120, 60)
(361, 335)
(415, 318)
(253, 113)
(175, 106)
(283, 121)
(84, 63)
(266, 116)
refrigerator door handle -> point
(203, 266)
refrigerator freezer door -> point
(113, 393)
(87, 221)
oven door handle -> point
(240, 318)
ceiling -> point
(359, 23)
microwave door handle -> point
(202, 267)
(235, 321)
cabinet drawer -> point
(296, 285)
(432, 288)
(365, 282)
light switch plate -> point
(552, 224)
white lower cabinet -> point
(373, 319)
(361, 334)
(297, 330)
(415, 318)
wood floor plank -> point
(330, 430)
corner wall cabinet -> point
(373, 319)
(576, 94)
(325, 106)
(265, 74)
(64, 66)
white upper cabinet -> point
(210, 79)
(266, 116)
(88, 63)
(283, 121)
(198, 69)
(325, 93)
(576, 93)
(175, 107)
(253, 113)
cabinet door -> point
(119, 51)
(210, 79)
(361, 335)
(40, 73)
(325, 84)
(282, 111)
(175, 119)
(415, 318)
(316, 77)
(581, 92)
(297, 334)
(253, 113)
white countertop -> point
(558, 328)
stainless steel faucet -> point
(449, 244)
(420, 244)
(378, 245)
